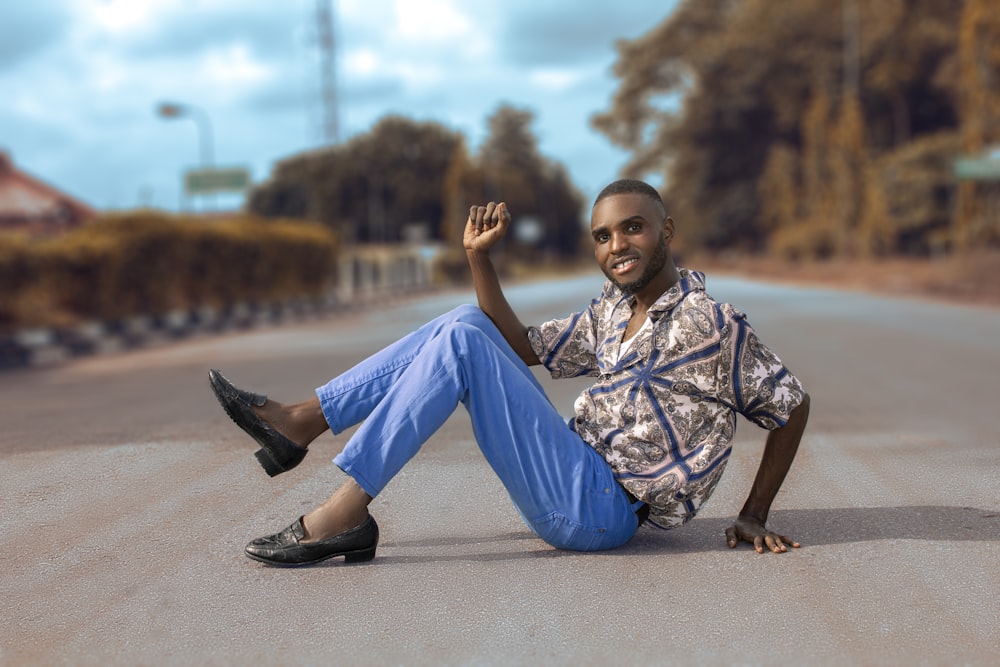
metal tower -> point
(328, 70)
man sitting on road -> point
(649, 439)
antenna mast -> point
(328, 70)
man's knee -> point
(468, 313)
(472, 315)
(468, 330)
(464, 335)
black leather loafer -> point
(277, 453)
(286, 548)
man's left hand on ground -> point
(756, 533)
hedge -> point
(150, 263)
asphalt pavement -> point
(128, 496)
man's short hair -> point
(631, 186)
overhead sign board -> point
(206, 181)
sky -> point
(81, 81)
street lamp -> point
(206, 180)
(173, 110)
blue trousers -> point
(564, 490)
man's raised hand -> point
(486, 225)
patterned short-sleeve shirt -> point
(663, 413)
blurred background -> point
(165, 158)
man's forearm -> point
(779, 452)
(494, 303)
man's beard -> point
(656, 263)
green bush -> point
(149, 263)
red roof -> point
(30, 205)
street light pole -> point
(171, 110)
(201, 119)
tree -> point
(724, 94)
(979, 104)
(538, 191)
(463, 185)
(406, 176)
(371, 189)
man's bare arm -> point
(485, 227)
(782, 443)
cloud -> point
(564, 33)
(82, 79)
(179, 30)
(29, 28)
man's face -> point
(630, 233)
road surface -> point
(128, 496)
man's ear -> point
(668, 228)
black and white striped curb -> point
(52, 346)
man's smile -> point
(624, 265)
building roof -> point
(29, 203)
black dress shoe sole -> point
(360, 556)
(277, 454)
(286, 549)
(272, 467)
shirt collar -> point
(691, 281)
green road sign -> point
(977, 169)
(205, 181)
